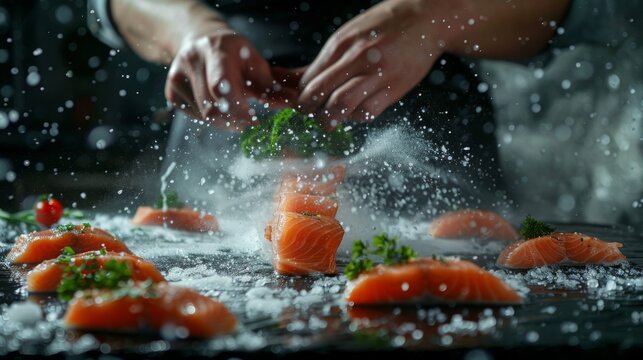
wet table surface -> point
(587, 308)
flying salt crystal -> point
(532, 336)
(37, 52)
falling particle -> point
(532, 336)
(373, 55)
(122, 93)
(33, 78)
(37, 52)
(10, 176)
(224, 105)
(565, 84)
(83, 195)
(244, 53)
(613, 81)
(119, 192)
(224, 87)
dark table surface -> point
(588, 311)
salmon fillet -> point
(305, 244)
(150, 309)
(560, 248)
(472, 223)
(444, 281)
(181, 219)
(308, 204)
(39, 246)
(47, 275)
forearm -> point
(495, 28)
(155, 29)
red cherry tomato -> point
(48, 211)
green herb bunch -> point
(289, 131)
(384, 247)
(89, 275)
(172, 200)
(532, 228)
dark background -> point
(66, 102)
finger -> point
(186, 103)
(202, 97)
(288, 92)
(345, 99)
(288, 77)
(177, 91)
(329, 54)
(225, 86)
(374, 105)
(257, 71)
(316, 93)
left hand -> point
(370, 63)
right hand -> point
(213, 75)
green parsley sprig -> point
(532, 228)
(172, 200)
(89, 275)
(70, 227)
(384, 247)
(288, 131)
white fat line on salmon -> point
(164, 177)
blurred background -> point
(77, 119)
(89, 124)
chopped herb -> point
(87, 225)
(144, 289)
(532, 228)
(88, 275)
(172, 200)
(360, 261)
(288, 131)
(65, 255)
(384, 247)
(64, 228)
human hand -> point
(370, 63)
(214, 73)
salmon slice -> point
(37, 247)
(301, 186)
(559, 248)
(308, 204)
(304, 244)
(181, 219)
(526, 254)
(304, 204)
(149, 308)
(445, 281)
(47, 275)
(472, 223)
(587, 249)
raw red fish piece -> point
(308, 204)
(304, 204)
(560, 248)
(333, 174)
(472, 223)
(445, 281)
(304, 244)
(301, 186)
(47, 275)
(39, 246)
(181, 219)
(143, 308)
